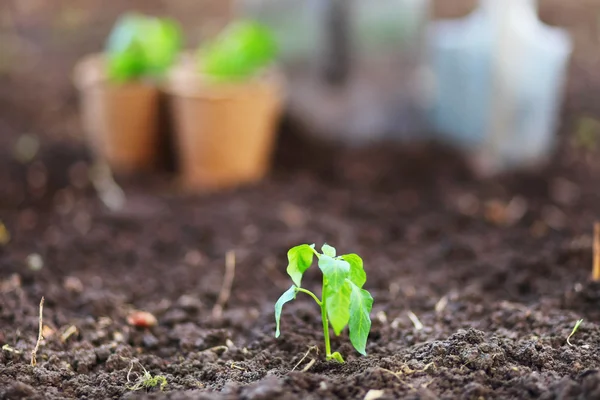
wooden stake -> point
(40, 336)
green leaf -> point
(288, 295)
(328, 250)
(299, 260)
(337, 357)
(335, 271)
(161, 43)
(140, 45)
(361, 304)
(338, 307)
(125, 55)
(240, 51)
(358, 276)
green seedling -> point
(146, 380)
(343, 300)
(141, 46)
(238, 53)
(574, 330)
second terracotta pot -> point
(225, 132)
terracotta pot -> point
(121, 121)
(224, 132)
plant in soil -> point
(575, 328)
(343, 301)
(146, 380)
(239, 52)
(141, 46)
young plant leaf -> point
(337, 357)
(359, 324)
(299, 260)
(358, 276)
(140, 45)
(335, 271)
(328, 250)
(338, 307)
(288, 295)
(240, 51)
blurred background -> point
(40, 42)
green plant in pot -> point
(227, 99)
(119, 91)
(141, 46)
(242, 50)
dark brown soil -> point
(497, 272)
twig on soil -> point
(397, 376)
(217, 348)
(596, 266)
(407, 371)
(225, 292)
(441, 304)
(232, 365)
(68, 333)
(574, 330)
(40, 336)
(10, 349)
(309, 365)
(415, 320)
(311, 348)
(145, 381)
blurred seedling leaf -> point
(141, 46)
(343, 301)
(243, 49)
(575, 328)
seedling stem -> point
(311, 294)
(225, 292)
(40, 335)
(573, 331)
(325, 326)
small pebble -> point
(73, 284)
(374, 394)
(141, 319)
(118, 337)
(35, 262)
